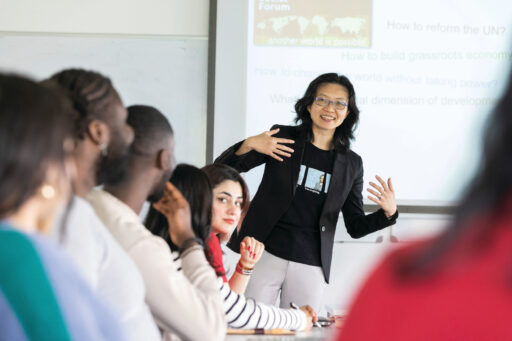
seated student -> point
(188, 302)
(457, 286)
(102, 139)
(250, 249)
(241, 312)
(42, 296)
(227, 214)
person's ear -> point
(99, 133)
(163, 160)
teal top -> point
(42, 297)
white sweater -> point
(186, 303)
(109, 270)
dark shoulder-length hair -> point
(344, 134)
(196, 188)
(487, 197)
(35, 122)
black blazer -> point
(277, 189)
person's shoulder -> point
(57, 264)
(84, 224)
(352, 155)
(14, 243)
(102, 200)
(81, 205)
(144, 243)
(354, 160)
(32, 251)
(82, 214)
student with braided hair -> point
(103, 138)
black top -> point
(277, 189)
(296, 236)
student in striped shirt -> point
(42, 296)
(241, 312)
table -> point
(316, 334)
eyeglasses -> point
(324, 102)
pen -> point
(296, 307)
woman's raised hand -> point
(266, 143)
(250, 252)
(384, 195)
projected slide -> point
(426, 74)
(284, 23)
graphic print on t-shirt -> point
(316, 181)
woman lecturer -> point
(310, 175)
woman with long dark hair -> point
(457, 286)
(311, 174)
(42, 296)
(230, 204)
(194, 184)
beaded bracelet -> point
(244, 271)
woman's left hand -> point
(384, 196)
(250, 252)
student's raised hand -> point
(266, 143)
(384, 195)
(311, 316)
(250, 252)
(177, 211)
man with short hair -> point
(188, 302)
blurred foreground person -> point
(42, 297)
(459, 285)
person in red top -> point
(457, 286)
(230, 203)
(194, 184)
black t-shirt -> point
(296, 236)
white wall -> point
(230, 77)
(160, 17)
(155, 52)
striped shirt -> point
(246, 313)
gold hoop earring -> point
(48, 192)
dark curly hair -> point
(344, 134)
